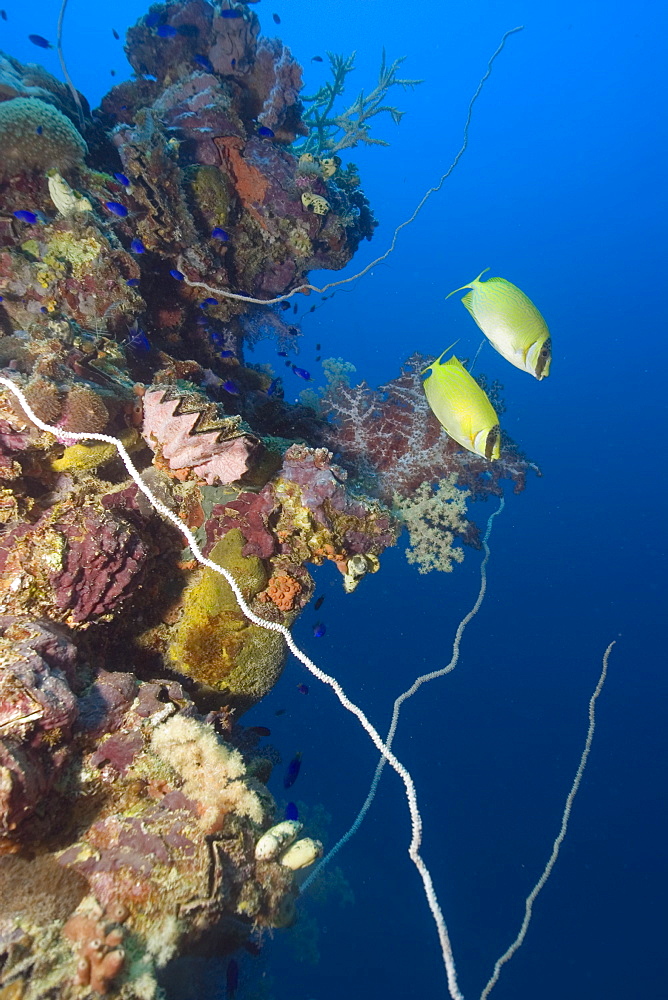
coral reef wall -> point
(132, 798)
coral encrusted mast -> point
(132, 798)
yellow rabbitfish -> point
(462, 407)
(511, 323)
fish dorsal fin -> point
(438, 359)
(469, 285)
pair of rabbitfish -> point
(516, 329)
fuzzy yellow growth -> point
(214, 641)
(213, 773)
(433, 520)
(78, 251)
(83, 457)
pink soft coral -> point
(392, 433)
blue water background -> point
(562, 191)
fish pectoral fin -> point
(469, 285)
(467, 301)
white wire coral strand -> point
(411, 795)
(417, 683)
(531, 898)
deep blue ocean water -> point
(562, 191)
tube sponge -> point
(36, 136)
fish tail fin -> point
(438, 359)
(470, 284)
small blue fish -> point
(231, 387)
(115, 34)
(232, 974)
(273, 386)
(229, 14)
(175, 273)
(210, 302)
(25, 216)
(220, 234)
(319, 630)
(166, 31)
(302, 688)
(265, 132)
(282, 354)
(233, 63)
(2, 298)
(38, 40)
(216, 338)
(291, 811)
(137, 246)
(116, 208)
(292, 772)
(302, 373)
(151, 20)
(227, 354)
(122, 179)
(318, 604)
(132, 282)
(203, 62)
(39, 129)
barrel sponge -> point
(36, 136)
(215, 643)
